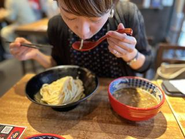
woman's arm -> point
(45, 60)
(129, 15)
(25, 53)
(137, 23)
(123, 46)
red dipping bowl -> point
(130, 112)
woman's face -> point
(84, 27)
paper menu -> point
(179, 84)
(11, 131)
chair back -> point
(171, 54)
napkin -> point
(179, 84)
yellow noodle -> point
(62, 91)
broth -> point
(135, 97)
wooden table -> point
(177, 105)
(92, 119)
(35, 28)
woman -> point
(120, 55)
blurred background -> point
(164, 22)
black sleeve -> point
(139, 33)
(58, 38)
(52, 33)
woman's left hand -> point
(122, 45)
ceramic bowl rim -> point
(136, 108)
(45, 134)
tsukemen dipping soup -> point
(135, 97)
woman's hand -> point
(122, 45)
(22, 52)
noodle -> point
(62, 91)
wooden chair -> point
(168, 53)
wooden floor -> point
(11, 72)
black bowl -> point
(89, 79)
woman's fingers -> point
(17, 42)
(19, 51)
(116, 50)
(23, 54)
(122, 37)
(121, 49)
(21, 40)
(120, 26)
(14, 44)
(123, 45)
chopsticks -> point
(34, 45)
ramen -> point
(62, 91)
(135, 97)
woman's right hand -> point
(22, 52)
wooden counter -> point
(35, 28)
(92, 119)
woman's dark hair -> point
(90, 8)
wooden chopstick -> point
(33, 45)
